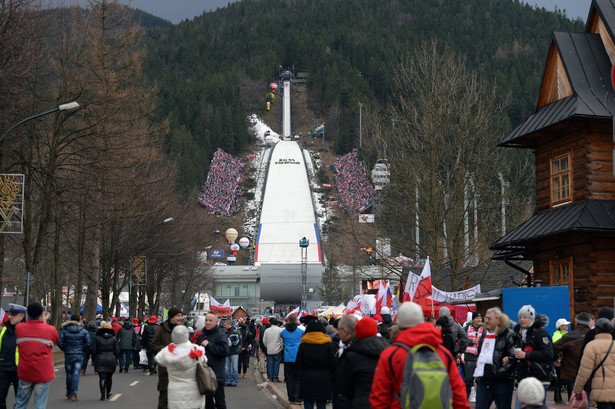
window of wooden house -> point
(561, 178)
(561, 274)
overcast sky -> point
(178, 10)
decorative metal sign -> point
(139, 271)
(11, 202)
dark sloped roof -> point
(606, 11)
(588, 68)
(589, 216)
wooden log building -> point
(571, 236)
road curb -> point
(282, 397)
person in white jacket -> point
(274, 347)
(180, 358)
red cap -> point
(366, 327)
(153, 319)
(135, 321)
(114, 319)
(265, 320)
(377, 318)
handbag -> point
(578, 404)
(143, 357)
(206, 379)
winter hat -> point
(476, 314)
(135, 321)
(445, 312)
(366, 327)
(530, 391)
(265, 320)
(527, 311)
(153, 319)
(606, 312)
(377, 318)
(92, 325)
(114, 319)
(582, 318)
(562, 321)
(173, 311)
(409, 315)
(314, 326)
(180, 335)
(604, 326)
(443, 322)
(385, 310)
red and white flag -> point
(219, 309)
(4, 317)
(423, 288)
(295, 311)
(384, 297)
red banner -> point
(222, 311)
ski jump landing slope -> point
(287, 214)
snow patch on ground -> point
(261, 131)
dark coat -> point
(247, 336)
(105, 351)
(74, 339)
(358, 370)
(162, 338)
(147, 337)
(126, 336)
(383, 328)
(315, 363)
(216, 350)
(504, 347)
(7, 353)
(570, 345)
(538, 347)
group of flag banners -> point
(418, 289)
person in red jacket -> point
(35, 340)
(388, 375)
(115, 325)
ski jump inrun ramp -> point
(287, 213)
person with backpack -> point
(232, 359)
(495, 365)
(396, 378)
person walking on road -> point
(599, 358)
(390, 369)
(291, 338)
(495, 366)
(162, 338)
(91, 328)
(247, 339)
(569, 347)
(35, 341)
(147, 337)
(360, 363)
(215, 342)
(315, 362)
(105, 353)
(126, 340)
(474, 329)
(74, 341)
(180, 359)
(232, 359)
(8, 344)
(534, 348)
(273, 345)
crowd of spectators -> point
(356, 193)
(222, 189)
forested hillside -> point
(214, 70)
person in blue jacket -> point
(291, 337)
(74, 341)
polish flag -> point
(383, 298)
(295, 311)
(4, 317)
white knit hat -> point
(444, 312)
(409, 315)
(527, 311)
(531, 391)
(385, 310)
(180, 335)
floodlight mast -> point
(303, 245)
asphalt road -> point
(135, 390)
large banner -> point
(445, 296)
(219, 309)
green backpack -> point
(425, 383)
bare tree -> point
(439, 138)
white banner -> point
(366, 218)
(444, 296)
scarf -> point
(315, 338)
(486, 354)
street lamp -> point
(64, 107)
(303, 244)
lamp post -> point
(64, 107)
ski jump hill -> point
(287, 215)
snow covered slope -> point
(288, 213)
